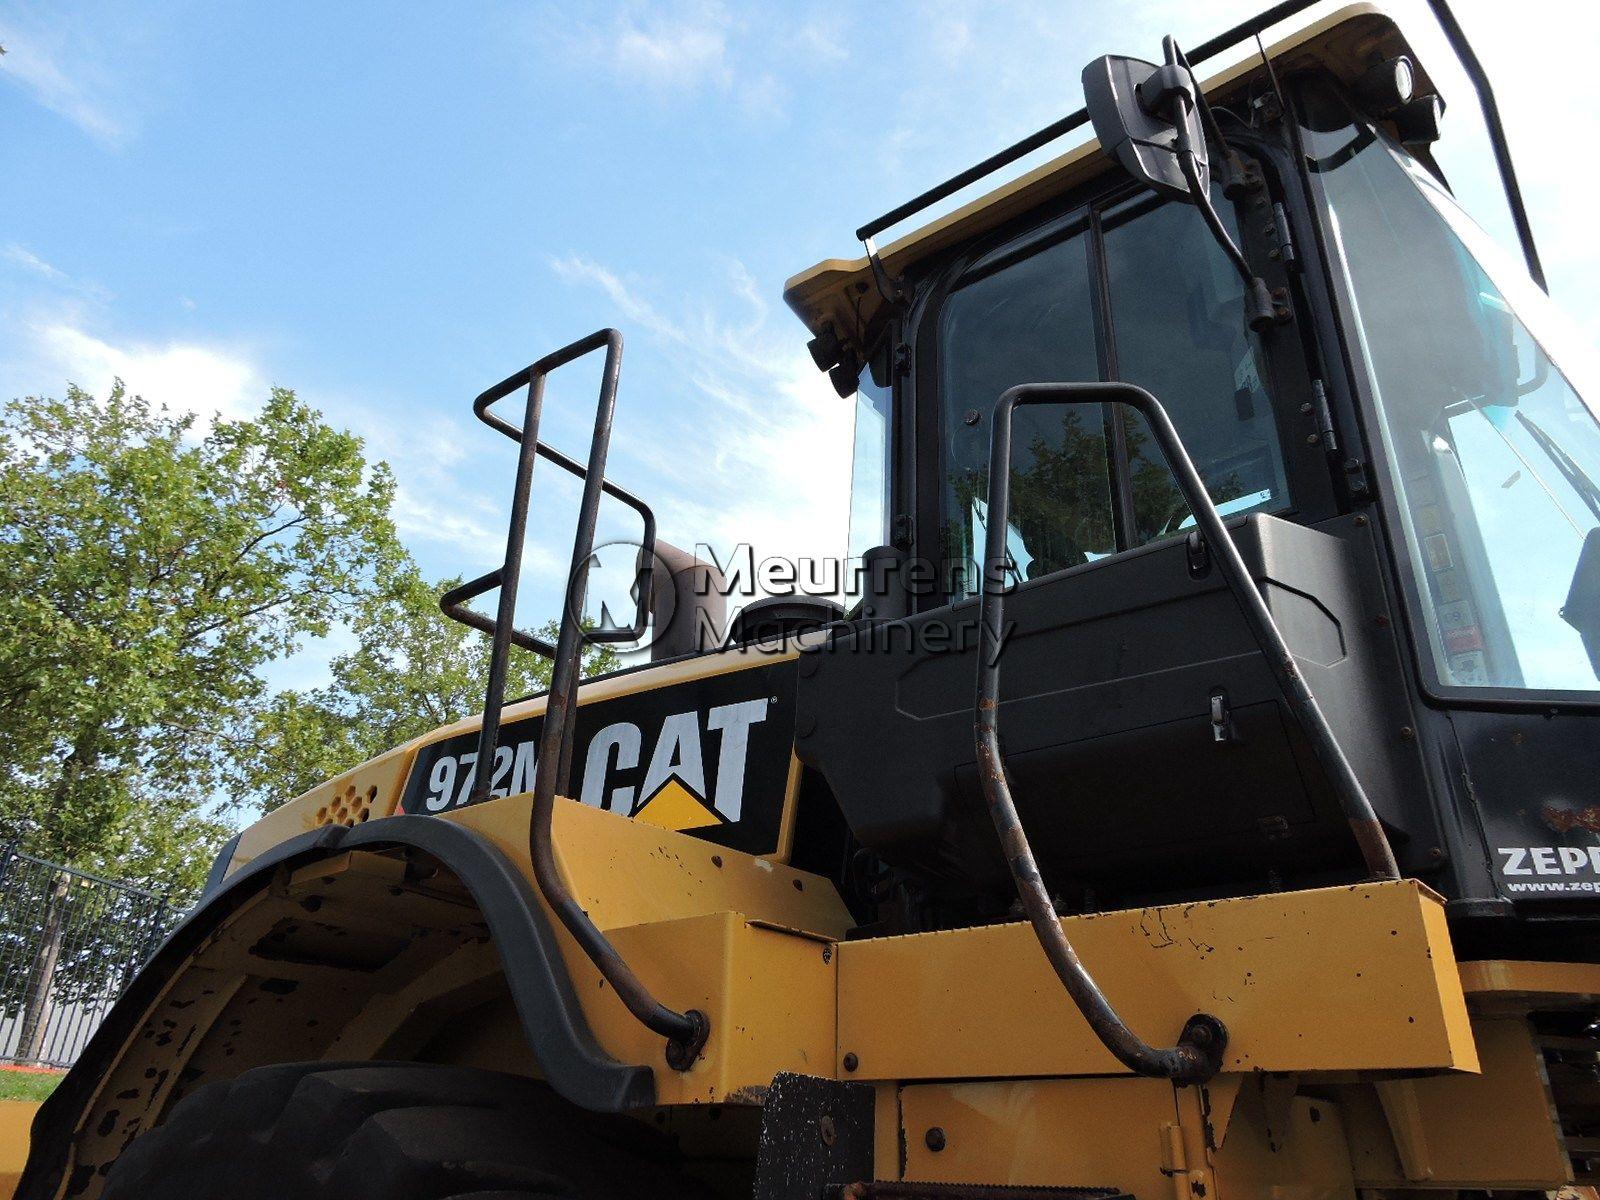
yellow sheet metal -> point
(1356, 978)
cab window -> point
(1138, 292)
(1029, 319)
(1177, 330)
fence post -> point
(158, 921)
(36, 999)
(8, 857)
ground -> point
(21, 1083)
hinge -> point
(1173, 1160)
(1324, 417)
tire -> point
(392, 1131)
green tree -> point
(151, 567)
(413, 670)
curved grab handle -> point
(1198, 1054)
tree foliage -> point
(413, 670)
(152, 567)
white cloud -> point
(693, 47)
(421, 512)
(74, 89)
(23, 257)
(762, 455)
(683, 51)
(681, 48)
(185, 376)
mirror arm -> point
(1234, 182)
(1260, 312)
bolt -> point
(826, 1130)
(1361, 520)
(851, 1062)
(934, 1139)
(827, 954)
(1408, 733)
(1312, 439)
(716, 860)
(1305, 410)
(972, 416)
(1437, 854)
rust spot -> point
(1564, 818)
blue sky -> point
(388, 207)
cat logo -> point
(672, 792)
(707, 756)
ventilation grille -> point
(348, 807)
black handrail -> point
(1453, 33)
(1197, 1055)
(686, 1032)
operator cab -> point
(1404, 459)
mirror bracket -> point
(1130, 104)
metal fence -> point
(69, 944)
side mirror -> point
(1132, 104)
(1582, 609)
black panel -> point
(1533, 779)
(1106, 718)
(816, 1135)
(685, 732)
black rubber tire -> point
(392, 1131)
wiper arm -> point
(1577, 478)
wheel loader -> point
(1196, 801)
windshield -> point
(1493, 455)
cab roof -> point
(842, 291)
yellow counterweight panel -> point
(626, 872)
(1086, 1132)
(1138, 1135)
(769, 994)
(1293, 1148)
(1494, 1130)
(983, 1003)
(674, 908)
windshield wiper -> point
(1577, 478)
